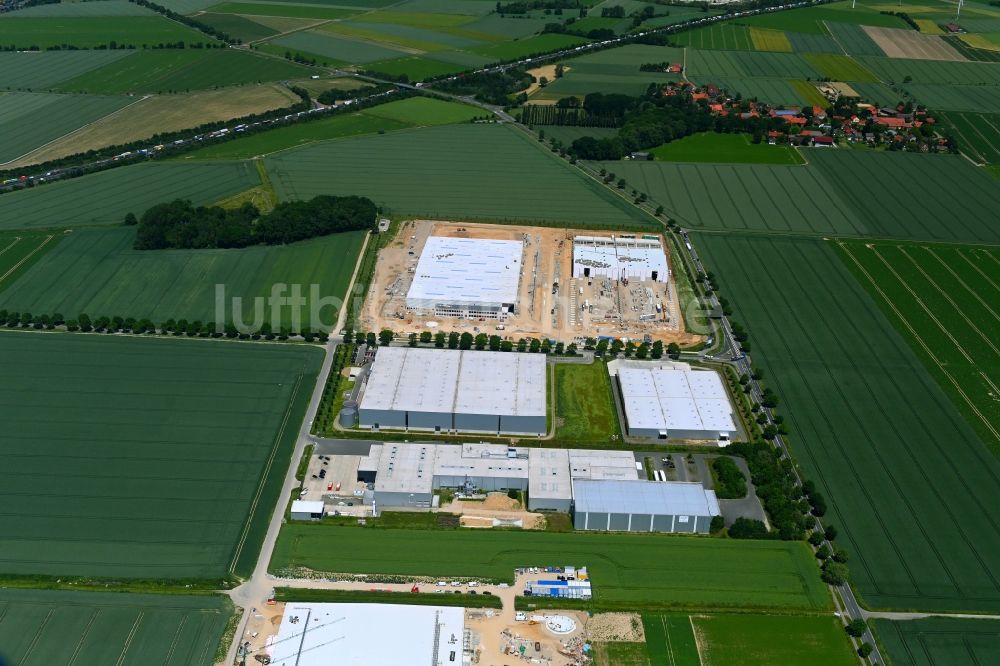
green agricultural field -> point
(907, 195)
(906, 478)
(793, 92)
(96, 629)
(840, 68)
(336, 48)
(415, 68)
(30, 120)
(530, 46)
(627, 570)
(812, 19)
(199, 429)
(303, 11)
(807, 42)
(570, 133)
(165, 284)
(733, 640)
(978, 134)
(933, 71)
(92, 31)
(421, 29)
(507, 27)
(106, 197)
(239, 27)
(783, 199)
(83, 9)
(19, 250)
(941, 299)
(854, 40)
(670, 640)
(725, 148)
(972, 98)
(585, 409)
(43, 69)
(707, 64)
(613, 71)
(765, 39)
(618, 653)
(450, 185)
(403, 114)
(722, 36)
(939, 641)
(183, 70)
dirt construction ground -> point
(544, 311)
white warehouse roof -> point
(307, 506)
(466, 271)
(464, 382)
(355, 635)
(664, 399)
(639, 496)
(620, 256)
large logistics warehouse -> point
(442, 390)
(662, 403)
(620, 257)
(467, 278)
(642, 506)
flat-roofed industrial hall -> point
(441, 390)
(665, 402)
(474, 278)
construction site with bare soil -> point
(525, 282)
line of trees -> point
(178, 224)
(84, 323)
(188, 21)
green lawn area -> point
(619, 654)
(629, 571)
(96, 271)
(93, 31)
(100, 628)
(402, 114)
(869, 424)
(734, 640)
(726, 149)
(200, 430)
(584, 404)
(415, 68)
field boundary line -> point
(263, 477)
(948, 298)
(697, 643)
(83, 636)
(920, 341)
(130, 638)
(13, 163)
(249, 17)
(177, 635)
(923, 306)
(38, 635)
(976, 268)
(17, 239)
(30, 255)
(962, 282)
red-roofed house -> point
(893, 123)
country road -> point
(255, 590)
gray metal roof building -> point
(466, 278)
(444, 390)
(549, 483)
(663, 403)
(643, 506)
